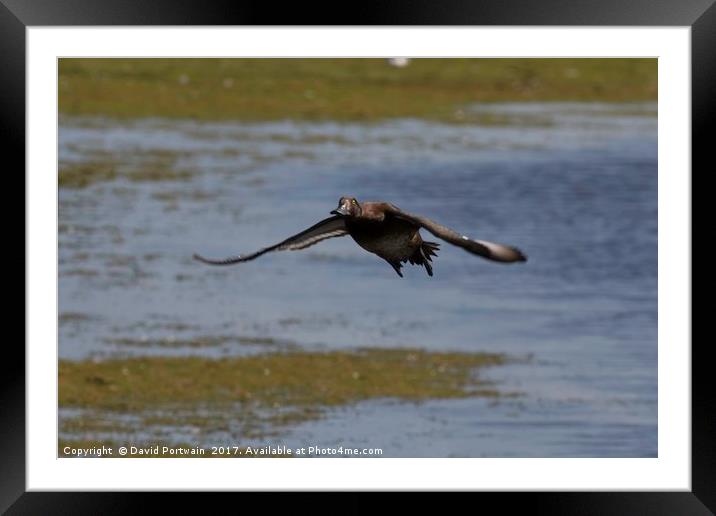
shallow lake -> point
(573, 185)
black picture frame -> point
(17, 15)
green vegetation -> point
(253, 397)
(102, 166)
(337, 89)
(81, 175)
(307, 379)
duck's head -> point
(348, 207)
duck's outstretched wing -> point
(327, 228)
(489, 250)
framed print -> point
(489, 283)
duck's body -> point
(383, 229)
(395, 240)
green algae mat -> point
(141, 400)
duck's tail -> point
(422, 255)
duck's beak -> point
(340, 211)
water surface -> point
(573, 185)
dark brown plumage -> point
(387, 231)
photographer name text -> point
(219, 451)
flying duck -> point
(383, 229)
